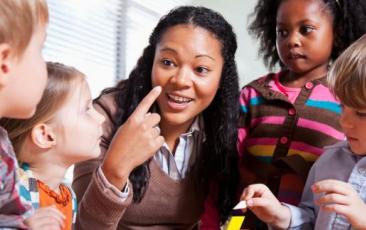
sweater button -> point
(291, 112)
(309, 85)
(283, 140)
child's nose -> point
(293, 40)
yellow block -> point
(235, 222)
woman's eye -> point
(167, 62)
(202, 69)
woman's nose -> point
(182, 77)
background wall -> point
(237, 12)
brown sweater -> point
(167, 204)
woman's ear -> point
(4, 64)
(43, 136)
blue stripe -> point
(265, 159)
(331, 106)
(256, 100)
(23, 192)
(243, 108)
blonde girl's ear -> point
(5, 62)
(43, 136)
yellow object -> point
(235, 222)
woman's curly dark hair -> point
(218, 160)
(349, 24)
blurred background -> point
(104, 39)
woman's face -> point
(187, 65)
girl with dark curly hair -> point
(162, 158)
(288, 117)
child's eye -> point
(167, 62)
(361, 114)
(281, 32)
(306, 29)
(202, 70)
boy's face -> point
(353, 122)
(27, 77)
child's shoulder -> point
(5, 144)
(261, 81)
(334, 152)
(259, 86)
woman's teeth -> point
(179, 99)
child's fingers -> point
(333, 198)
(44, 222)
(52, 214)
(337, 208)
(331, 186)
(258, 202)
(256, 191)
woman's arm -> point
(101, 205)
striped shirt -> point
(277, 121)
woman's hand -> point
(48, 218)
(340, 197)
(261, 201)
(134, 142)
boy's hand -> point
(340, 197)
(265, 206)
(48, 218)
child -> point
(64, 130)
(288, 117)
(22, 34)
(335, 194)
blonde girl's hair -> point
(347, 76)
(19, 20)
(62, 81)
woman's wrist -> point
(116, 177)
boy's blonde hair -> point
(18, 21)
(347, 77)
(62, 81)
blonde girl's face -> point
(78, 127)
